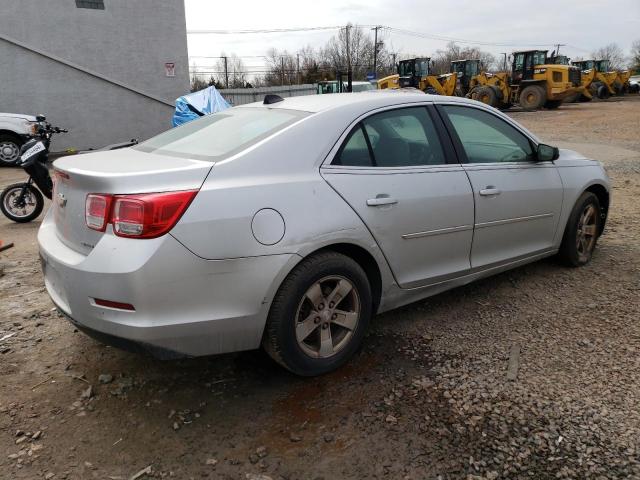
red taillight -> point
(97, 208)
(146, 215)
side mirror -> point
(40, 118)
(547, 153)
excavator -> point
(532, 83)
(416, 73)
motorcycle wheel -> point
(21, 210)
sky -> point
(582, 26)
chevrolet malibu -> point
(289, 223)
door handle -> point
(489, 191)
(381, 199)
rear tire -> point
(581, 232)
(532, 97)
(32, 208)
(9, 149)
(307, 332)
(603, 92)
(552, 104)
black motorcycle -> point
(23, 202)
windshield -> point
(221, 134)
(603, 65)
(539, 58)
(472, 68)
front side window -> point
(422, 68)
(486, 138)
(222, 134)
(395, 138)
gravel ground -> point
(435, 393)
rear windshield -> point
(222, 134)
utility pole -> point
(349, 73)
(375, 51)
(226, 73)
(298, 66)
(558, 45)
(282, 70)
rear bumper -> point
(184, 305)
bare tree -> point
(441, 61)
(281, 68)
(351, 47)
(236, 72)
(613, 53)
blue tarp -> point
(197, 104)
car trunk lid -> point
(124, 171)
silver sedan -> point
(289, 223)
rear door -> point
(397, 170)
(518, 200)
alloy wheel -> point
(327, 316)
(586, 234)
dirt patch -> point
(427, 397)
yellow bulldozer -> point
(416, 73)
(532, 83)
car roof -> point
(366, 100)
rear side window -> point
(395, 138)
(222, 134)
(486, 138)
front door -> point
(393, 171)
(518, 200)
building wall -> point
(124, 47)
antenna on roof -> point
(271, 98)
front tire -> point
(582, 231)
(532, 97)
(319, 315)
(21, 210)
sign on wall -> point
(170, 69)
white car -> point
(289, 223)
(15, 129)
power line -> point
(399, 31)
(443, 38)
(262, 30)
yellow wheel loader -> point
(597, 79)
(465, 70)
(415, 73)
(623, 78)
(532, 83)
